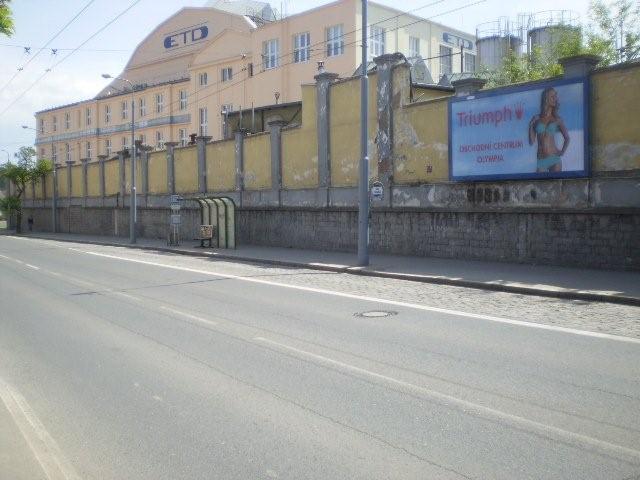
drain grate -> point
(376, 314)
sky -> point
(79, 76)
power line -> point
(58, 49)
(27, 48)
(92, 36)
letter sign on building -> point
(186, 37)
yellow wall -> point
(158, 172)
(38, 188)
(257, 162)
(615, 132)
(76, 181)
(63, 189)
(421, 143)
(111, 180)
(186, 169)
(49, 185)
(344, 131)
(221, 166)
(300, 146)
(93, 179)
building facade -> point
(203, 62)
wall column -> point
(275, 137)
(468, 86)
(323, 85)
(201, 143)
(578, 66)
(240, 163)
(101, 179)
(122, 175)
(171, 167)
(384, 115)
(85, 180)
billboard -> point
(526, 132)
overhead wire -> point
(91, 37)
(34, 56)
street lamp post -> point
(363, 186)
(133, 203)
(54, 194)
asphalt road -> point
(126, 364)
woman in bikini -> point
(544, 127)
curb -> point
(561, 294)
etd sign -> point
(186, 37)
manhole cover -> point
(376, 314)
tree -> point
(613, 35)
(6, 20)
(21, 174)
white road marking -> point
(5, 257)
(548, 431)
(32, 266)
(188, 315)
(519, 323)
(43, 446)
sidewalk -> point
(559, 282)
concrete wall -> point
(257, 162)
(186, 169)
(221, 166)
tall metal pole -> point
(133, 200)
(363, 186)
(54, 195)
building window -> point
(203, 79)
(250, 70)
(335, 41)
(183, 99)
(88, 149)
(125, 143)
(67, 121)
(270, 53)
(124, 107)
(67, 149)
(469, 62)
(143, 106)
(159, 140)
(203, 122)
(42, 125)
(54, 154)
(445, 60)
(107, 146)
(159, 102)
(182, 134)
(88, 117)
(143, 139)
(107, 114)
(301, 47)
(414, 47)
(54, 123)
(377, 40)
(227, 74)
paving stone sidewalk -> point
(621, 287)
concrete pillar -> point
(239, 154)
(467, 86)
(85, 180)
(384, 115)
(201, 143)
(323, 116)
(101, 180)
(69, 184)
(171, 167)
(579, 66)
(275, 133)
(122, 175)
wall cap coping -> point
(467, 86)
(277, 123)
(203, 138)
(326, 76)
(391, 58)
(577, 66)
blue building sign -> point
(532, 131)
(186, 37)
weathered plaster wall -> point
(158, 172)
(93, 179)
(76, 181)
(63, 188)
(615, 105)
(257, 162)
(221, 166)
(186, 169)
(111, 180)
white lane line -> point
(519, 323)
(548, 431)
(42, 444)
(20, 262)
(32, 266)
(5, 257)
(188, 315)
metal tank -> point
(494, 40)
(546, 29)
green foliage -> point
(6, 20)
(601, 37)
(9, 205)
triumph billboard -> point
(522, 132)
